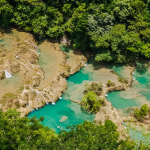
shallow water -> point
(63, 107)
(119, 102)
(138, 93)
(76, 84)
(53, 114)
(138, 136)
(46, 61)
(72, 111)
(8, 85)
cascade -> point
(38, 92)
(7, 74)
(28, 106)
(54, 93)
(44, 99)
(53, 103)
(33, 51)
(23, 64)
(106, 95)
(37, 50)
(85, 64)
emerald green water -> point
(64, 107)
(52, 114)
(138, 136)
(73, 112)
(79, 77)
(118, 68)
(119, 102)
(137, 95)
(139, 91)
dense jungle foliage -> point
(115, 30)
(25, 134)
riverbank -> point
(39, 73)
(102, 75)
(37, 78)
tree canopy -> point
(115, 30)
(24, 133)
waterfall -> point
(60, 97)
(40, 93)
(33, 51)
(85, 64)
(28, 107)
(23, 64)
(7, 74)
(106, 95)
(53, 103)
(54, 93)
(45, 100)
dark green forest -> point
(18, 133)
(115, 30)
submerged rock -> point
(63, 118)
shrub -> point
(91, 102)
(21, 88)
(8, 95)
(122, 80)
(109, 83)
(17, 104)
(140, 114)
(97, 88)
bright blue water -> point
(118, 68)
(64, 107)
(144, 86)
(79, 77)
(119, 102)
(53, 114)
(73, 111)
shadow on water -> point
(116, 67)
(65, 48)
(141, 67)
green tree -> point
(91, 102)
(90, 136)
(140, 114)
(6, 12)
(23, 133)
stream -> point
(65, 112)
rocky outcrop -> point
(33, 85)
